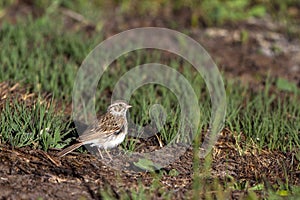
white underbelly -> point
(109, 144)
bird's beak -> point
(129, 106)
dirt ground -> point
(28, 174)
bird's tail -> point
(69, 149)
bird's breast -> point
(115, 142)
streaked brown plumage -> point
(106, 132)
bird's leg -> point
(99, 150)
(108, 154)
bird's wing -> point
(103, 128)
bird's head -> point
(118, 108)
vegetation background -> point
(255, 43)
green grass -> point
(41, 53)
(38, 126)
(216, 12)
(47, 59)
(264, 117)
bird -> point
(106, 132)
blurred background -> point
(247, 38)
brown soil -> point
(26, 173)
